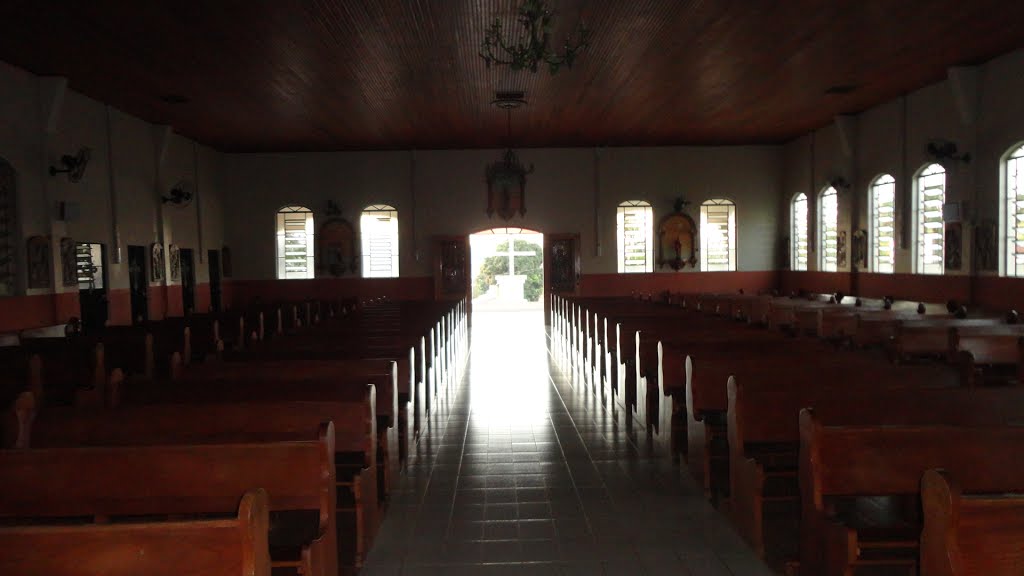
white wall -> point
(26, 142)
(444, 192)
(994, 123)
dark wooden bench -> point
(219, 547)
(764, 435)
(107, 483)
(970, 535)
(989, 356)
(253, 372)
(849, 476)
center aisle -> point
(522, 471)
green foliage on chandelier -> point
(533, 48)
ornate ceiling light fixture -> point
(506, 178)
(532, 48)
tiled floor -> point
(524, 472)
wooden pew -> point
(989, 357)
(359, 471)
(70, 370)
(844, 464)
(128, 350)
(218, 547)
(976, 535)
(242, 376)
(929, 338)
(256, 418)
(412, 397)
(764, 435)
(199, 479)
(877, 328)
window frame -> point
(824, 249)
(280, 220)
(620, 234)
(794, 238)
(882, 180)
(730, 233)
(926, 171)
(1014, 157)
(364, 251)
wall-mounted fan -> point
(180, 194)
(943, 150)
(73, 166)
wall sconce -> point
(73, 166)
(943, 150)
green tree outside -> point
(529, 266)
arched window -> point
(635, 227)
(1012, 207)
(294, 243)
(828, 230)
(798, 230)
(930, 195)
(718, 236)
(379, 229)
(882, 198)
(8, 241)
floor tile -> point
(524, 469)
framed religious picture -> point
(68, 261)
(954, 245)
(338, 248)
(860, 249)
(677, 239)
(841, 249)
(985, 245)
(39, 262)
(174, 259)
(156, 262)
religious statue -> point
(338, 246)
(677, 239)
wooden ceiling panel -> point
(295, 75)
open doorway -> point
(507, 271)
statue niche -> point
(677, 236)
(338, 247)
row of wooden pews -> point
(275, 453)
(824, 426)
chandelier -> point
(532, 48)
(506, 178)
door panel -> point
(561, 267)
(188, 281)
(451, 267)
(214, 262)
(138, 284)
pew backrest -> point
(220, 547)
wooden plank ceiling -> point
(296, 75)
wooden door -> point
(451, 267)
(138, 284)
(213, 257)
(561, 268)
(188, 282)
